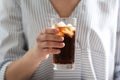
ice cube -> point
(69, 25)
(62, 24)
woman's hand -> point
(48, 42)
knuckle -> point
(46, 30)
(48, 51)
(47, 43)
(45, 36)
(45, 50)
(37, 39)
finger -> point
(51, 31)
(51, 37)
(51, 51)
(49, 44)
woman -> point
(26, 39)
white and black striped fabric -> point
(22, 20)
(117, 56)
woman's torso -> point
(96, 15)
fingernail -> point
(58, 51)
(62, 44)
(62, 38)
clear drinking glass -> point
(67, 28)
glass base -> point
(63, 66)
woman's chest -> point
(36, 15)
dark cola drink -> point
(65, 60)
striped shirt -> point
(22, 20)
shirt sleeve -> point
(117, 56)
(12, 39)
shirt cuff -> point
(3, 70)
